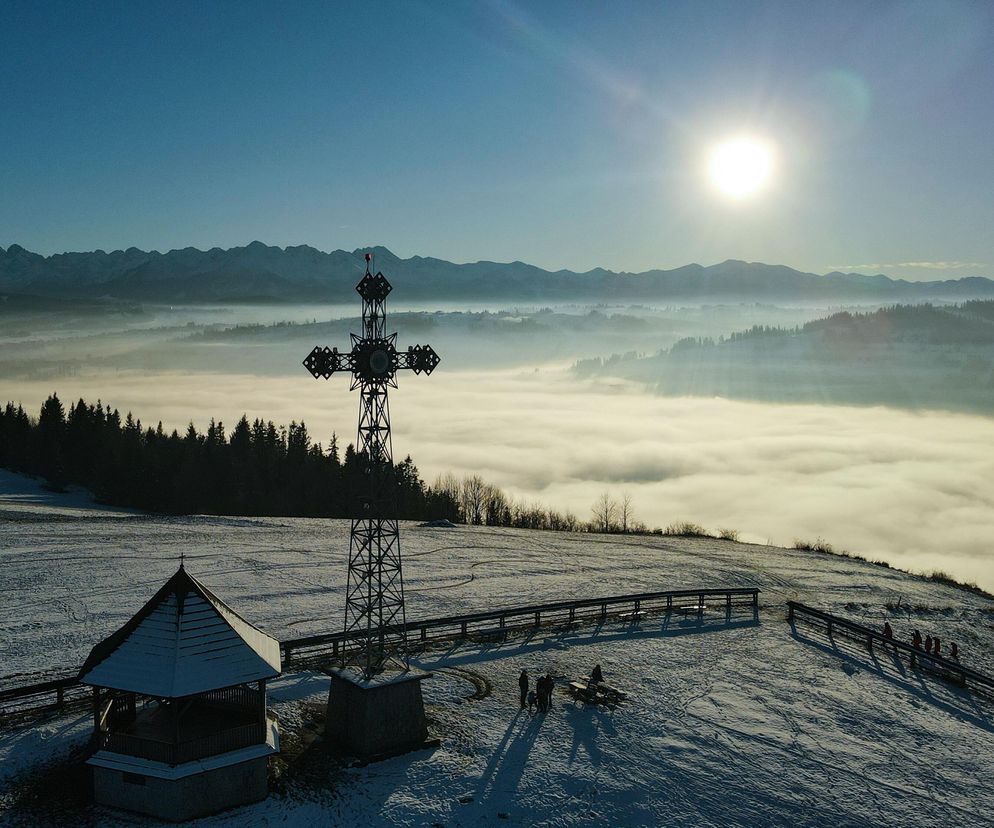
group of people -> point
(541, 697)
(932, 646)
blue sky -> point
(567, 134)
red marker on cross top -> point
(369, 257)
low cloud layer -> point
(915, 489)
(951, 265)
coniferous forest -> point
(258, 469)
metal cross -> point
(374, 601)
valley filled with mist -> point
(854, 423)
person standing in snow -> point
(549, 685)
(955, 652)
(916, 640)
(523, 686)
(928, 643)
(532, 699)
(936, 645)
(596, 676)
(888, 632)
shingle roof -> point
(185, 640)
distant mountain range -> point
(260, 273)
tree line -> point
(258, 468)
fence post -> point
(755, 597)
(463, 629)
(572, 614)
(538, 618)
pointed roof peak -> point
(184, 641)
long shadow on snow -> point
(507, 764)
(895, 671)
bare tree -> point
(474, 492)
(626, 511)
(605, 512)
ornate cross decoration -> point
(374, 601)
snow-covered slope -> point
(746, 722)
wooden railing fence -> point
(301, 652)
(834, 623)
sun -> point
(741, 167)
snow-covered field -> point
(746, 722)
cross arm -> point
(323, 362)
(371, 360)
(418, 358)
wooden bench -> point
(600, 693)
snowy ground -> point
(746, 722)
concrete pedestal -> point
(384, 716)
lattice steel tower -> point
(374, 607)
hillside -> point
(261, 273)
(731, 721)
(907, 356)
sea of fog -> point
(914, 488)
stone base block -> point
(177, 800)
(384, 716)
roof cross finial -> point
(182, 559)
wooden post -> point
(174, 714)
(669, 603)
(262, 708)
(60, 697)
(755, 597)
(463, 629)
(538, 618)
(572, 614)
(96, 710)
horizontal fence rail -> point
(963, 675)
(68, 692)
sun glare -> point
(741, 167)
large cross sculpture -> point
(374, 608)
